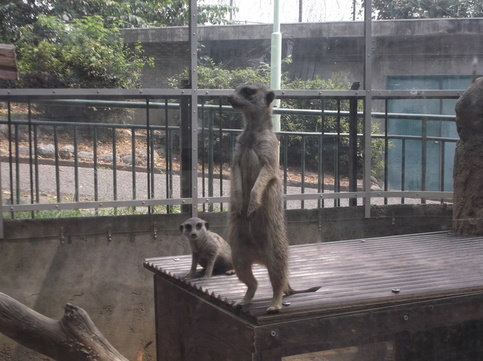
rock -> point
(469, 111)
(85, 156)
(46, 151)
(109, 158)
(128, 159)
(468, 162)
(67, 152)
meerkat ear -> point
(270, 96)
(181, 228)
(207, 225)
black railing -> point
(130, 158)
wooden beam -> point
(8, 62)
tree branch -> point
(72, 338)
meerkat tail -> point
(291, 291)
(140, 354)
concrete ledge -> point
(343, 29)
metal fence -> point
(88, 152)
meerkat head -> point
(194, 227)
(251, 96)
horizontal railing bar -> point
(23, 93)
(224, 130)
(95, 204)
(87, 124)
(228, 108)
(373, 194)
(207, 200)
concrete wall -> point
(401, 47)
(97, 263)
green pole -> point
(276, 60)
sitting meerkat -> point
(209, 249)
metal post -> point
(185, 148)
(193, 43)
(353, 145)
(367, 105)
(276, 63)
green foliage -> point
(413, 9)
(114, 13)
(83, 54)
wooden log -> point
(72, 338)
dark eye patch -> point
(198, 226)
(188, 227)
(247, 92)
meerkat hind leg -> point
(245, 274)
(278, 283)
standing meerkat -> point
(257, 219)
(208, 249)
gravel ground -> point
(126, 191)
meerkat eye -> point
(247, 92)
(188, 227)
(198, 226)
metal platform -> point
(387, 285)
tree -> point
(114, 13)
(414, 9)
(82, 54)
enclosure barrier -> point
(138, 154)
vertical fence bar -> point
(320, 178)
(202, 146)
(186, 150)
(367, 105)
(36, 165)
(76, 166)
(442, 156)
(31, 165)
(193, 40)
(96, 168)
(133, 161)
(284, 141)
(353, 146)
(321, 161)
(56, 161)
(337, 158)
(220, 146)
(386, 146)
(114, 166)
(10, 158)
(169, 156)
(403, 168)
(424, 151)
(148, 155)
(302, 161)
(211, 159)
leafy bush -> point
(81, 54)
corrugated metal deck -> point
(353, 274)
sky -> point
(261, 11)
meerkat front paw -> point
(252, 208)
